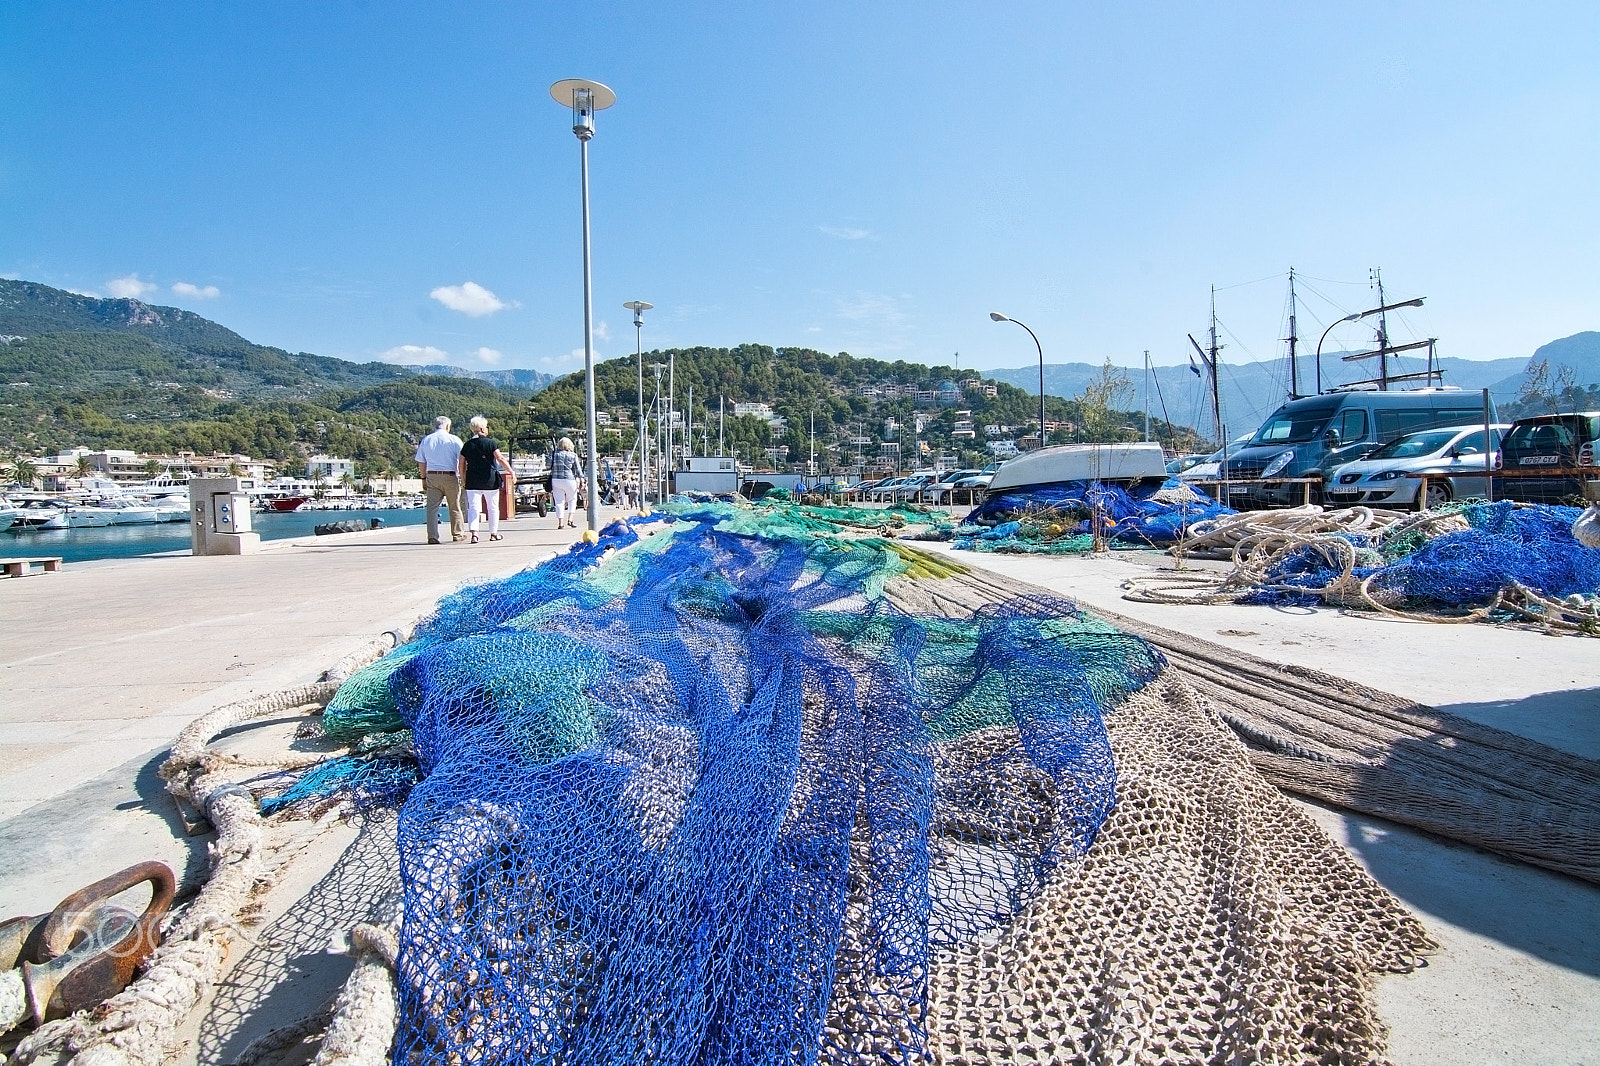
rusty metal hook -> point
(88, 949)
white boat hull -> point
(1080, 462)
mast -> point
(1216, 393)
(1383, 333)
(1147, 394)
(1294, 370)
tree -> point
(151, 467)
(22, 472)
(82, 467)
(1100, 405)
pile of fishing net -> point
(1067, 517)
(744, 791)
(1462, 562)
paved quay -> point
(104, 662)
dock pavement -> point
(103, 663)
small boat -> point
(173, 507)
(1122, 463)
(286, 504)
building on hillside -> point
(963, 426)
(330, 469)
(948, 393)
(978, 385)
(762, 411)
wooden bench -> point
(22, 567)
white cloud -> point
(84, 292)
(488, 355)
(129, 288)
(602, 331)
(469, 298)
(195, 292)
(848, 233)
(415, 353)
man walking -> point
(437, 457)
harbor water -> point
(120, 542)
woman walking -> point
(565, 480)
(482, 467)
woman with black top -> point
(481, 468)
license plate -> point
(1541, 460)
(1238, 490)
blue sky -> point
(871, 178)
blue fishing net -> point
(713, 799)
(1055, 518)
(1461, 569)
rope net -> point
(751, 791)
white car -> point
(1452, 457)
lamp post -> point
(585, 98)
(1358, 316)
(639, 307)
(998, 317)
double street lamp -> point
(585, 98)
(998, 317)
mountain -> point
(79, 370)
(1252, 391)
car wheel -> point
(1438, 495)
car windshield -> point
(1413, 445)
(1293, 427)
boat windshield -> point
(1413, 445)
(1293, 427)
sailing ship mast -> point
(1294, 337)
(1209, 357)
(1429, 377)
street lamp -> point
(1358, 316)
(585, 98)
(998, 317)
(639, 307)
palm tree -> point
(151, 467)
(83, 467)
(22, 472)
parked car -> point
(1209, 467)
(942, 489)
(1456, 460)
(1312, 437)
(883, 491)
(1178, 464)
(1555, 446)
(909, 489)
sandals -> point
(474, 538)
(496, 536)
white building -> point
(762, 411)
(329, 469)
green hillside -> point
(77, 370)
(800, 383)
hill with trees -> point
(79, 370)
(857, 405)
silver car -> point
(1451, 457)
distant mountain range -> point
(1251, 391)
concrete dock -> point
(103, 663)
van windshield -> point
(1293, 427)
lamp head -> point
(585, 97)
(998, 317)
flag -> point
(1193, 367)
